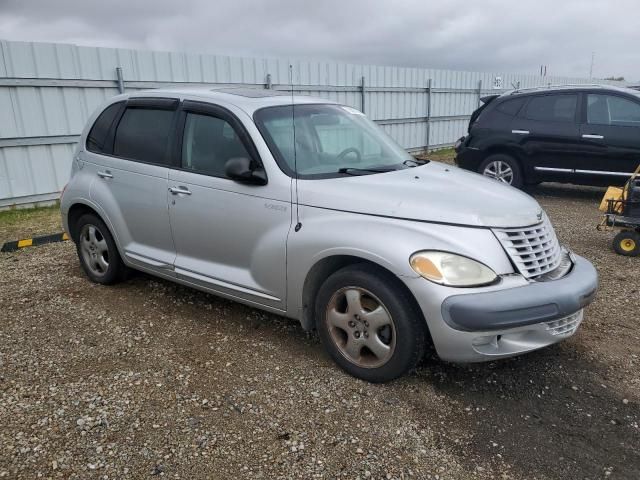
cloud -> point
(490, 35)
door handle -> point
(179, 190)
(520, 132)
(105, 174)
(595, 137)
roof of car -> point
(248, 99)
(571, 87)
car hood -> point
(434, 192)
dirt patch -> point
(149, 378)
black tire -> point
(627, 243)
(404, 337)
(95, 254)
(515, 180)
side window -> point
(612, 110)
(100, 130)
(552, 108)
(208, 143)
(142, 135)
(511, 107)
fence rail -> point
(122, 86)
(47, 92)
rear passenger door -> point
(131, 168)
(230, 237)
(548, 133)
(610, 134)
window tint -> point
(98, 134)
(552, 108)
(612, 110)
(208, 143)
(143, 134)
(511, 107)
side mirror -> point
(243, 170)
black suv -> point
(587, 134)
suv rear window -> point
(552, 108)
(142, 135)
(511, 107)
(100, 130)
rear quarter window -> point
(511, 107)
(96, 140)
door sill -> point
(225, 286)
(148, 262)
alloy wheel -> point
(361, 327)
(499, 170)
(94, 249)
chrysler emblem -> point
(540, 215)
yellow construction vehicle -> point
(621, 207)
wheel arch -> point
(79, 208)
(512, 151)
(325, 267)
(76, 211)
(504, 150)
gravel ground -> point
(148, 378)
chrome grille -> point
(565, 326)
(534, 250)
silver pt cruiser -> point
(307, 209)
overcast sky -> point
(481, 35)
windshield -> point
(330, 140)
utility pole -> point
(593, 57)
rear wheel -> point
(97, 251)
(368, 324)
(503, 168)
(627, 243)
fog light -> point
(486, 340)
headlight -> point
(451, 269)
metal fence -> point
(47, 91)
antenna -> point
(295, 155)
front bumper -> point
(484, 325)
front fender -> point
(386, 242)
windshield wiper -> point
(414, 162)
(363, 171)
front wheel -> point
(368, 324)
(627, 243)
(503, 168)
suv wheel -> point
(503, 168)
(368, 324)
(97, 251)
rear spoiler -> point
(488, 99)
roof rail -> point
(564, 85)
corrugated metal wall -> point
(47, 91)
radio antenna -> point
(295, 156)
